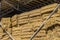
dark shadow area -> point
(31, 6)
(52, 27)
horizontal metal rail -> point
(5, 13)
(42, 25)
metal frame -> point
(5, 13)
(18, 6)
(18, 9)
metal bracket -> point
(42, 25)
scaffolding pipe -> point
(42, 25)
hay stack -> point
(25, 24)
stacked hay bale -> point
(1, 33)
(15, 32)
(6, 25)
(31, 22)
(25, 24)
